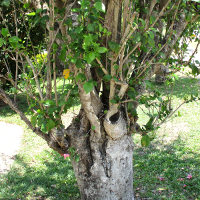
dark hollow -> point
(114, 118)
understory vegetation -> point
(167, 169)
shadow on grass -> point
(6, 111)
(183, 87)
(160, 172)
(54, 179)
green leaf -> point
(26, 5)
(43, 127)
(48, 102)
(149, 124)
(31, 14)
(1, 42)
(195, 70)
(4, 32)
(14, 39)
(151, 42)
(145, 141)
(88, 86)
(107, 77)
(80, 77)
(143, 22)
(93, 127)
(175, 76)
(62, 55)
(6, 3)
(34, 120)
(88, 39)
(91, 27)
(79, 63)
(50, 124)
(90, 57)
(149, 84)
(77, 158)
(151, 35)
(116, 67)
(113, 46)
(39, 10)
(102, 49)
(99, 6)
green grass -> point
(173, 154)
(40, 173)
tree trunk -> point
(111, 174)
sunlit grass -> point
(160, 170)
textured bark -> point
(105, 171)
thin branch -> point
(17, 54)
(14, 107)
(123, 90)
(54, 78)
(66, 98)
(161, 13)
(153, 3)
(134, 48)
(60, 25)
(194, 52)
(102, 67)
(126, 14)
(170, 114)
(35, 76)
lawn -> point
(168, 169)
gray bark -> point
(104, 171)
(110, 176)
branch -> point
(86, 102)
(153, 3)
(170, 114)
(14, 107)
(35, 76)
(195, 51)
(17, 54)
(134, 48)
(161, 13)
(53, 140)
(102, 67)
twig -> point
(171, 114)
(161, 13)
(14, 107)
(17, 55)
(35, 76)
(101, 65)
(195, 51)
(54, 77)
(66, 98)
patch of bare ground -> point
(10, 140)
(173, 130)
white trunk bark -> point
(110, 176)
